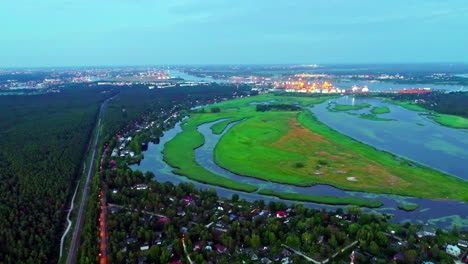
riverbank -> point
(253, 148)
(179, 153)
(218, 128)
(341, 107)
(372, 117)
(452, 121)
(331, 200)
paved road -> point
(301, 254)
(103, 229)
(185, 250)
(323, 261)
(75, 242)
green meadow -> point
(380, 110)
(450, 120)
(342, 107)
(293, 147)
(179, 153)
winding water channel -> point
(441, 213)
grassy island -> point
(408, 206)
(293, 147)
(380, 110)
(373, 117)
(332, 200)
(452, 121)
(218, 128)
(341, 107)
(179, 153)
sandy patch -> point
(321, 153)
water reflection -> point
(441, 213)
(412, 135)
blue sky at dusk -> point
(148, 32)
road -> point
(185, 250)
(75, 241)
(103, 228)
(297, 252)
(323, 261)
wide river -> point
(412, 135)
(411, 129)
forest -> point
(42, 142)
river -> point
(412, 135)
(437, 212)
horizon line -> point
(228, 64)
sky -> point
(49, 33)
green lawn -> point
(332, 200)
(380, 110)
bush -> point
(299, 165)
(215, 110)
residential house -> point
(140, 187)
(399, 257)
(164, 219)
(143, 248)
(197, 246)
(220, 248)
(463, 243)
(453, 251)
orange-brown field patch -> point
(326, 161)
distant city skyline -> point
(56, 33)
